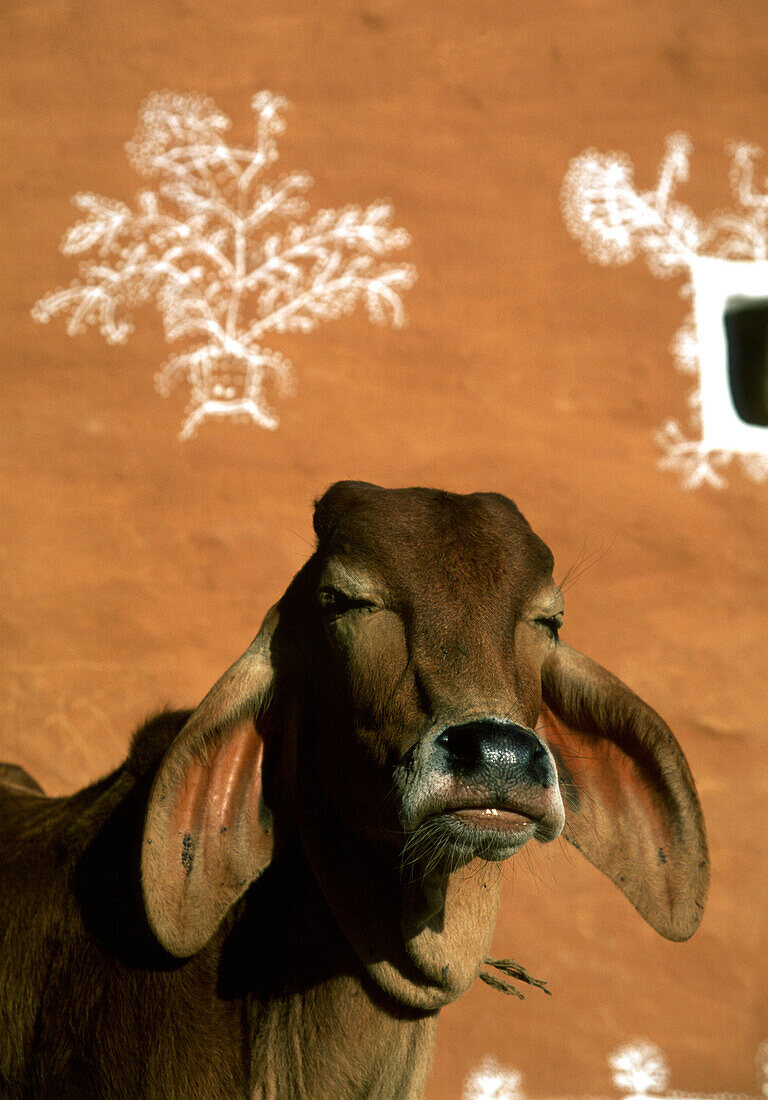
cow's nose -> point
(493, 750)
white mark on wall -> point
(639, 1071)
(229, 254)
(491, 1081)
(724, 257)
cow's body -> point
(92, 1007)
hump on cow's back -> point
(152, 739)
(14, 776)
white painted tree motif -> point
(615, 222)
(491, 1081)
(761, 1065)
(639, 1069)
(228, 254)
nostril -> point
(462, 745)
(541, 765)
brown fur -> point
(272, 897)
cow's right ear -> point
(207, 834)
(630, 801)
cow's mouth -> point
(497, 828)
(495, 819)
(466, 828)
(491, 831)
(455, 821)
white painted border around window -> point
(716, 282)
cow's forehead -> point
(412, 533)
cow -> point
(276, 893)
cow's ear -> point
(630, 802)
(207, 834)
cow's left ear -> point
(207, 834)
(630, 801)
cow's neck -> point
(343, 1000)
(331, 1042)
(318, 1026)
(422, 940)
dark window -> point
(746, 331)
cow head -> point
(407, 710)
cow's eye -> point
(334, 602)
(552, 624)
